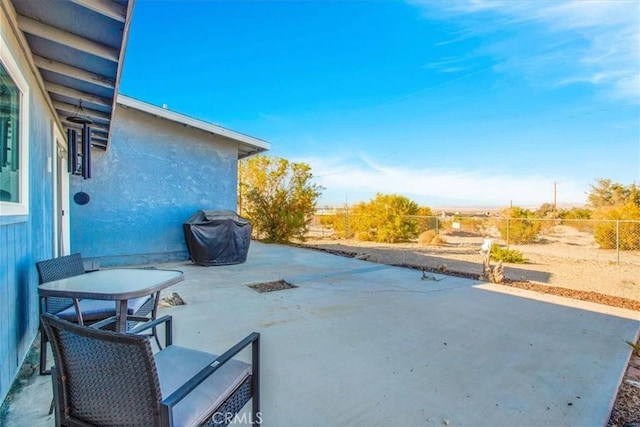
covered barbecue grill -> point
(217, 237)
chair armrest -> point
(197, 379)
(148, 324)
(101, 324)
(168, 330)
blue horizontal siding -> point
(17, 299)
(24, 240)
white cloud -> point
(360, 179)
(567, 42)
(451, 65)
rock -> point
(173, 299)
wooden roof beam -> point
(48, 32)
(77, 94)
(107, 8)
(76, 73)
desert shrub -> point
(426, 237)
(387, 218)
(578, 218)
(512, 256)
(576, 213)
(472, 224)
(438, 240)
(620, 205)
(518, 226)
(430, 238)
(364, 236)
(425, 219)
(623, 224)
(340, 224)
(605, 235)
(634, 346)
(629, 235)
(548, 225)
(327, 220)
(547, 210)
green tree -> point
(606, 193)
(386, 218)
(277, 197)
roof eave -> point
(247, 145)
(125, 37)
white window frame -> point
(11, 66)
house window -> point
(13, 138)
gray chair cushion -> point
(177, 364)
(99, 309)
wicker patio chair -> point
(108, 378)
(144, 308)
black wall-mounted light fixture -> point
(80, 166)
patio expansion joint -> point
(322, 281)
(398, 290)
(338, 273)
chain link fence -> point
(610, 240)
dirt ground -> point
(566, 262)
(565, 258)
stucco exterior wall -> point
(154, 176)
(25, 239)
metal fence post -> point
(508, 229)
(346, 223)
(618, 241)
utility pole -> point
(555, 196)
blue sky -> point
(450, 103)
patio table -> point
(118, 284)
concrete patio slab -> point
(358, 343)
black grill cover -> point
(217, 237)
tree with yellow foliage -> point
(277, 196)
(620, 205)
(388, 218)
